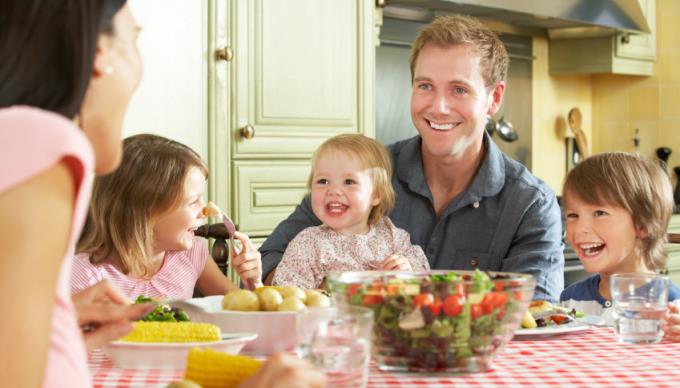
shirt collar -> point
(488, 182)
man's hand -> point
(105, 314)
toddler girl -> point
(140, 228)
(351, 191)
(617, 208)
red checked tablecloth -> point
(586, 359)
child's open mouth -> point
(592, 249)
(336, 208)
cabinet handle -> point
(224, 54)
(248, 132)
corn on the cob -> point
(173, 332)
(210, 368)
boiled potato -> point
(292, 303)
(259, 290)
(317, 299)
(270, 299)
(241, 300)
(292, 290)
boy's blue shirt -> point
(588, 290)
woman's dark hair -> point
(47, 50)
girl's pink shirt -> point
(175, 279)
(31, 142)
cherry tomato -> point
(499, 286)
(370, 300)
(424, 299)
(459, 288)
(475, 311)
(352, 289)
(453, 305)
(437, 306)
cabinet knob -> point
(224, 54)
(248, 132)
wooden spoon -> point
(574, 118)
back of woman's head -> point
(373, 157)
(633, 183)
(48, 48)
(149, 182)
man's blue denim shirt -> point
(507, 220)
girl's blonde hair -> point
(633, 183)
(149, 181)
(374, 157)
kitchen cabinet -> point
(673, 263)
(288, 75)
(632, 54)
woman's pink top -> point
(318, 250)
(31, 142)
(175, 279)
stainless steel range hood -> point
(560, 18)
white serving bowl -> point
(169, 355)
(276, 330)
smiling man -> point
(462, 199)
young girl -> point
(617, 208)
(140, 229)
(351, 191)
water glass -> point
(337, 341)
(639, 306)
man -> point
(461, 199)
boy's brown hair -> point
(452, 30)
(374, 157)
(633, 183)
(149, 181)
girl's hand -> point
(105, 314)
(286, 371)
(248, 263)
(395, 262)
(672, 323)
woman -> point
(67, 65)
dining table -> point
(578, 359)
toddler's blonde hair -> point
(373, 157)
(633, 183)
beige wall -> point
(553, 97)
(652, 104)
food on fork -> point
(173, 332)
(211, 210)
(163, 312)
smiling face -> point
(450, 101)
(604, 237)
(117, 73)
(342, 193)
(174, 229)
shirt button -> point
(607, 303)
(473, 262)
(430, 250)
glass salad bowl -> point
(437, 321)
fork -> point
(214, 210)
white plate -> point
(276, 330)
(169, 355)
(571, 327)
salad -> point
(162, 312)
(439, 321)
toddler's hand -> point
(672, 323)
(248, 263)
(395, 263)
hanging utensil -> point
(574, 118)
(506, 131)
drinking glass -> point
(639, 306)
(337, 340)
